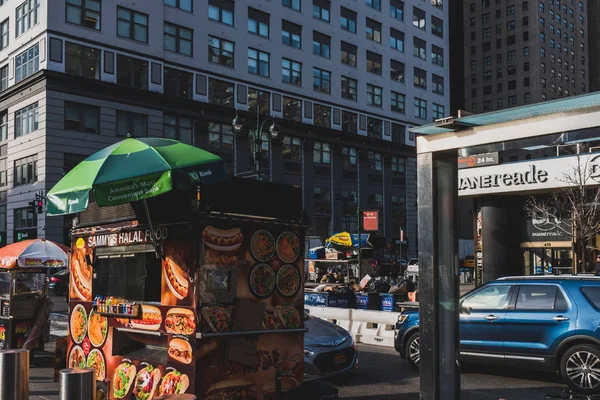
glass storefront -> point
(543, 261)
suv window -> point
(540, 297)
(489, 298)
(592, 294)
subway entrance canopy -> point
(538, 141)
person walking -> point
(37, 331)
(597, 267)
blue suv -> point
(534, 322)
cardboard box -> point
(334, 256)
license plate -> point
(338, 359)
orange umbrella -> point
(34, 253)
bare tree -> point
(579, 198)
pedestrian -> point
(597, 267)
(37, 330)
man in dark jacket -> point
(597, 266)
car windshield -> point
(413, 261)
(63, 272)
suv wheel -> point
(580, 368)
(413, 351)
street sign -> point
(371, 220)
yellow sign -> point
(80, 243)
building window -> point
(24, 218)
(419, 48)
(291, 72)
(512, 69)
(131, 124)
(349, 122)
(322, 116)
(398, 133)
(259, 98)
(184, 5)
(350, 156)
(220, 51)
(178, 128)
(398, 101)
(178, 83)
(376, 4)
(3, 184)
(132, 72)
(486, 33)
(27, 16)
(437, 26)
(398, 165)
(321, 44)
(321, 9)
(437, 55)
(178, 39)
(3, 126)
(258, 22)
(349, 88)
(397, 9)
(397, 40)
(321, 80)
(349, 54)
(348, 19)
(374, 63)
(438, 84)
(221, 11)
(291, 34)
(374, 127)
(220, 136)
(397, 71)
(420, 78)
(26, 171)
(27, 63)
(373, 30)
(374, 95)
(527, 97)
(437, 111)
(512, 55)
(220, 92)
(321, 194)
(4, 36)
(294, 4)
(82, 61)
(82, 118)
(321, 153)
(512, 100)
(258, 62)
(292, 148)
(419, 18)
(374, 161)
(420, 108)
(132, 25)
(375, 199)
(26, 120)
(84, 12)
(292, 109)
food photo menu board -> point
(250, 279)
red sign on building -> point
(371, 220)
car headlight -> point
(308, 353)
(402, 318)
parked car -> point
(534, 322)
(328, 349)
(59, 281)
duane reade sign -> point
(527, 175)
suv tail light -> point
(54, 279)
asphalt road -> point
(383, 375)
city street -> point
(382, 374)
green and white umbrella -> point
(130, 170)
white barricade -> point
(366, 326)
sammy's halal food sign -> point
(526, 176)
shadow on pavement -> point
(534, 393)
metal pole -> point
(77, 383)
(359, 244)
(14, 374)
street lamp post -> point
(256, 136)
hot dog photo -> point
(151, 319)
(180, 321)
(177, 282)
(81, 277)
(180, 350)
(224, 240)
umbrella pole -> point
(152, 235)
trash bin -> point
(177, 397)
(77, 383)
(14, 375)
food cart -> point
(198, 293)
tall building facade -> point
(344, 79)
(520, 52)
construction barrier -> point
(366, 326)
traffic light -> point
(40, 206)
(31, 207)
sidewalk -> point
(41, 374)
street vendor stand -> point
(23, 287)
(193, 291)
